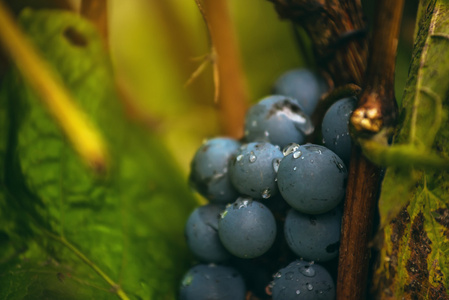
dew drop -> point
(307, 270)
(242, 202)
(276, 162)
(340, 166)
(266, 193)
(290, 148)
(239, 158)
(218, 176)
(294, 169)
(297, 154)
(252, 157)
(309, 286)
(289, 275)
(298, 292)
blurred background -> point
(156, 47)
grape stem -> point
(374, 117)
(230, 85)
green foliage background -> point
(68, 234)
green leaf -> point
(414, 203)
(121, 233)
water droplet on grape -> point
(298, 292)
(289, 275)
(294, 169)
(278, 275)
(307, 270)
(252, 157)
(239, 158)
(297, 154)
(290, 148)
(266, 133)
(276, 162)
(254, 123)
(266, 193)
(309, 286)
(242, 202)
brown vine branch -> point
(338, 33)
(375, 115)
(339, 36)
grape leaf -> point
(76, 235)
(414, 203)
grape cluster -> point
(274, 200)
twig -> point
(375, 114)
(233, 97)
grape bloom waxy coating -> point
(253, 169)
(212, 282)
(312, 179)
(279, 120)
(247, 228)
(335, 128)
(201, 233)
(209, 170)
(313, 237)
(301, 280)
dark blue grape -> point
(312, 179)
(313, 237)
(247, 228)
(278, 120)
(209, 170)
(335, 128)
(302, 280)
(201, 232)
(253, 169)
(212, 282)
(304, 86)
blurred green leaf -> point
(414, 204)
(128, 224)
